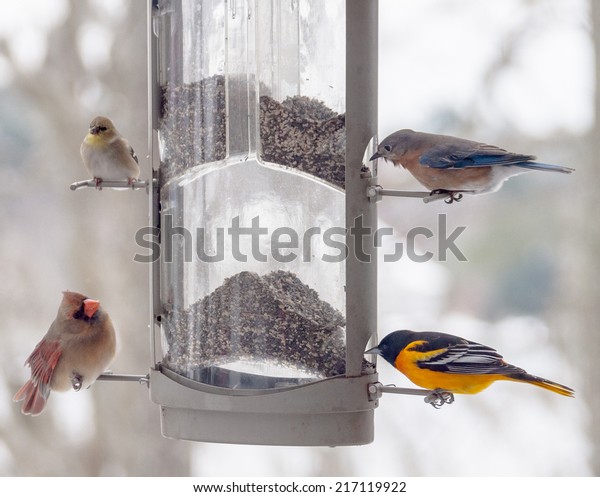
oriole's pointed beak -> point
(374, 350)
(376, 155)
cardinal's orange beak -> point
(90, 307)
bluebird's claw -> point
(76, 381)
(438, 397)
(452, 196)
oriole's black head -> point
(391, 345)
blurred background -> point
(520, 74)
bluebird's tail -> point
(540, 166)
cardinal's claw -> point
(77, 382)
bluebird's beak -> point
(376, 155)
(374, 350)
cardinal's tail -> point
(34, 397)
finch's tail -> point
(542, 382)
(540, 166)
(34, 398)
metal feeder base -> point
(331, 412)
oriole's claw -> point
(438, 397)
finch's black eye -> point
(387, 148)
(102, 128)
(79, 314)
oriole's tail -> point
(542, 382)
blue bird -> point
(447, 164)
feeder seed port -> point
(375, 194)
(436, 398)
(91, 183)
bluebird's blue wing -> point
(460, 154)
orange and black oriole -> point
(438, 361)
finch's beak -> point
(374, 350)
(94, 130)
(90, 307)
(376, 155)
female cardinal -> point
(77, 348)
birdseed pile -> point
(252, 317)
(300, 132)
(303, 133)
(192, 125)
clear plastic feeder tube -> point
(252, 145)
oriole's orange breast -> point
(407, 363)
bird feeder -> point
(264, 295)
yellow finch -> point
(107, 155)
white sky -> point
(438, 50)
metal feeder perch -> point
(261, 112)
